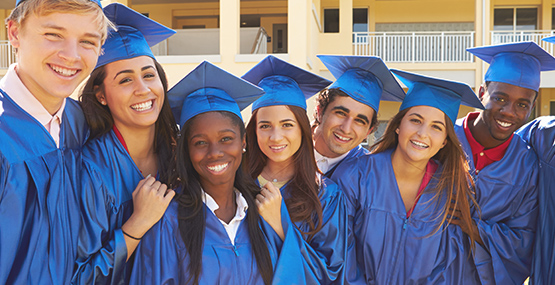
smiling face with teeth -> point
(278, 133)
(215, 144)
(507, 109)
(55, 53)
(133, 92)
(421, 134)
(344, 125)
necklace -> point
(276, 177)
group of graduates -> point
(138, 184)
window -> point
(331, 20)
(553, 18)
(360, 20)
(515, 19)
(552, 108)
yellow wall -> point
(543, 103)
(4, 14)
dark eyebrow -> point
(219, 133)
(131, 71)
(341, 108)
(363, 117)
(123, 71)
(226, 131)
(282, 121)
(422, 118)
(360, 116)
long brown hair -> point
(100, 120)
(191, 213)
(303, 203)
(455, 181)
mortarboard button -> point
(366, 79)
(438, 93)
(210, 88)
(133, 37)
(518, 64)
(283, 83)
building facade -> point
(424, 36)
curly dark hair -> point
(327, 96)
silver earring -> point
(244, 150)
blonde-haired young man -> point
(57, 45)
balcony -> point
(7, 54)
(501, 37)
(415, 47)
(207, 42)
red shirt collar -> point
(482, 156)
(120, 138)
(431, 168)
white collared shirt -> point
(325, 163)
(14, 87)
(233, 226)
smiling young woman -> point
(413, 195)
(213, 233)
(280, 154)
(132, 143)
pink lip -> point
(220, 170)
(147, 110)
(417, 146)
(272, 148)
(77, 71)
(340, 140)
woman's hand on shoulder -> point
(269, 207)
(151, 198)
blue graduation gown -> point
(39, 210)
(109, 179)
(507, 196)
(355, 152)
(540, 134)
(161, 257)
(386, 247)
(324, 255)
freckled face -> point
(215, 148)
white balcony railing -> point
(7, 54)
(207, 42)
(415, 46)
(501, 37)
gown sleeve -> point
(324, 255)
(157, 258)
(102, 251)
(347, 176)
(288, 264)
(540, 134)
(508, 235)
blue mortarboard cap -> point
(210, 88)
(518, 64)
(95, 1)
(364, 78)
(284, 83)
(549, 39)
(445, 95)
(133, 37)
